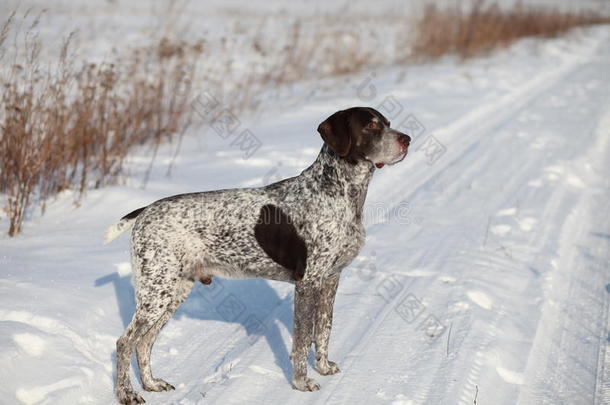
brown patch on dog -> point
(279, 239)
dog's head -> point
(362, 133)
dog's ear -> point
(336, 132)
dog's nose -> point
(404, 139)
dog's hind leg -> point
(156, 286)
(144, 345)
(139, 325)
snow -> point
(29, 343)
(485, 272)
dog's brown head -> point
(362, 133)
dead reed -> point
(70, 125)
(481, 26)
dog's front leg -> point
(306, 292)
(323, 324)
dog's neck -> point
(340, 178)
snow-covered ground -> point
(485, 277)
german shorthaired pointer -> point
(303, 230)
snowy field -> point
(485, 278)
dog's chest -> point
(336, 238)
(347, 247)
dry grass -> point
(336, 50)
(482, 26)
(70, 126)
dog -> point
(303, 230)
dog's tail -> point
(123, 225)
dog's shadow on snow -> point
(253, 304)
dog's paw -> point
(130, 397)
(305, 384)
(158, 385)
(327, 367)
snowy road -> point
(487, 282)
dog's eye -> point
(373, 125)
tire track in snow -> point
(569, 357)
(553, 213)
(602, 392)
